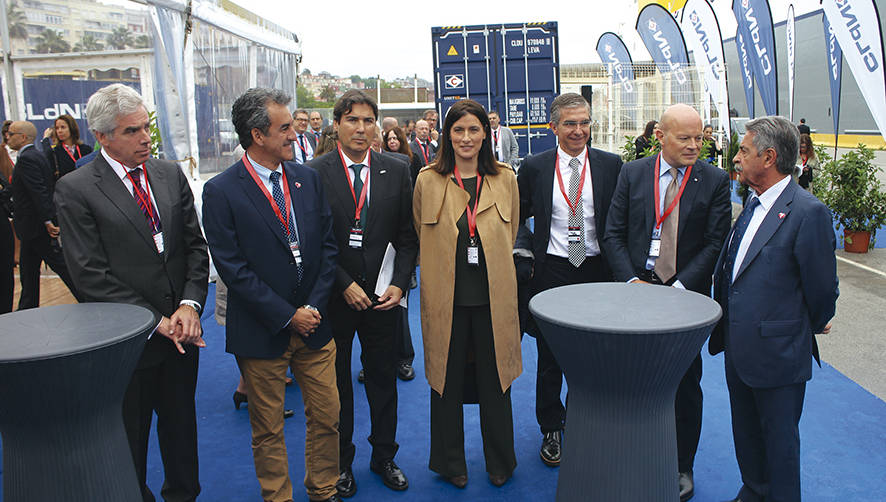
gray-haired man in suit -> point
(504, 143)
(131, 235)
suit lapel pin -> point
(383, 171)
(781, 216)
(695, 179)
(297, 184)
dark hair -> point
(401, 137)
(72, 126)
(650, 127)
(805, 138)
(6, 124)
(327, 141)
(250, 111)
(445, 163)
(301, 111)
(346, 103)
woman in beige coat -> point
(469, 292)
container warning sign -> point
(455, 81)
(452, 51)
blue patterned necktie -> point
(741, 225)
(277, 192)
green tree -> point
(17, 22)
(120, 38)
(306, 72)
(327, 94)
(142, 42)
(88, 43)
(51, 41)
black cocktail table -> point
(63, 373)
(623, 349)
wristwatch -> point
(310, 307)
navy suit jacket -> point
(536, 182)
(785, 291)
(253, 258)
(705, 214)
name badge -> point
(574, 234)
(656, 232)
(296, 252)
(473, 255)
(655, 248)
(355, 239)
(158, 241)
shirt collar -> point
(118, 168)
(24, 147)
(563, 155)
(349, 162)
(665, 168)
(261, 170)
(768, 198)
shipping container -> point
(513, 69)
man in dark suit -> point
(270, 235)
(305, 142)
(776, 279)
(371, 199)
(567, 189)
(131, 235)
(421, 145)
(803, 128)
(674, 243)
(34, 215)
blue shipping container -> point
(511, 68)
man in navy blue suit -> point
(270, 234)
(776, 279)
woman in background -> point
(327, 141)
(69, 148)
(644, 141)
(395, 141)
(808, 162)
(466, 209)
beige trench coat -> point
(436, 205)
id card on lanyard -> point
(474, 242)
(655, 243)
(573, 233)
(355, 237)
(284, 220)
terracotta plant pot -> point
(856, 242)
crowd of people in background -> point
(316, 233)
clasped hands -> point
(356, 298)
(183, 327)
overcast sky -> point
(393, 38)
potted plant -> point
(729, 154)
(850, 188)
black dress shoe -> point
(334, 498)
(288, 414)
(239, 398)
(550, 448)
(498, 480)
(346, 485)
(361, 377)
(405, 371)
(391, 475)
(687, 486)
(459, 481)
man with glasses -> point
(567, 189)
(305, 143)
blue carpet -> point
(843, 434)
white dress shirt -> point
(308, 153)
(767, 200)
(364, 174)
(558, 244)
(264, 174)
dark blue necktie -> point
(741, 225)
(277, 192)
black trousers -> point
(377, 332)
(472, 334)
(766, 433)
(167, 389)
(554, 272)
(34, 252)
(405, 351)
(7, 264)
(687, 413)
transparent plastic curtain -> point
(275, 69)
(221, 74)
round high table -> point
(63, 373)
(623, 349)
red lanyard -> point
(472, 214)
(581, 183)
(65, 148)
(660, 218)
(805, 159)
(283, 219)
(138, 193)
(304, 151)
(358, 204)
(424, 151)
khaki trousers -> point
(314, 371)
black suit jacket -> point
(536, 179)
(705, 216)
(111, 254)
(33, 185)
(417, 150)
(389, 220)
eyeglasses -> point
(301, 120)
(572, 124)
